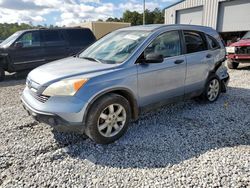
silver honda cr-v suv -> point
(98, 91)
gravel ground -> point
(182, 145)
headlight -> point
(231, 49)
(64, 87)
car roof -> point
(52, 29)
(154, 27)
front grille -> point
(41, 98)
(33, 87)
(243, 50)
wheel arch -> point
(126, 93)
(212, 72)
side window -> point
(30, 39)
(213, 44)
(194, 42)
(80, 37)
(167, 44)
(52, 37)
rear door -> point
(79, 39)
(198, 60)
(55, 45)
(29, 54)
(159, 82)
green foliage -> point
(114, 20)
(8, 29)
(154, 17)
(135, 18)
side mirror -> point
(154, 58)
(18, 44)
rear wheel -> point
(212, 90)
(108, 119)
(2, 74)
(232, 65)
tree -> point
(110, 19)
(8, 29)
(134, 17)
(158, 16)
(152, 17)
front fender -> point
(4, 61)
(125, 92)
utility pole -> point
(144, 12)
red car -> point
(239, 52)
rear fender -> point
(220, 71)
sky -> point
(67, 12)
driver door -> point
(162, 82)
(30, 53)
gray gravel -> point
(182, 145)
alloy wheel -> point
(111, 120)
(213, 90)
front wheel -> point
(212, 90)
(2, 74)
(108, 119)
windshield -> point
(7, 42)
(247, 35)
(116, 47)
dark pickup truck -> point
(28, 49)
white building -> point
(229, 17)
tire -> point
(104, 126)
(232, 65)
(2, 74)
(212, 90)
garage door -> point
(190, 16)
(234, 16)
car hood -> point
(66, 68)
(244, 42)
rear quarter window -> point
(80, 37)
(195, 41)
(212, 42)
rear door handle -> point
(179, 61)
(209, 56)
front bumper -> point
(61, 113)
(239, 58)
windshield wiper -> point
(92, 59)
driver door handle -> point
(179, 61)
